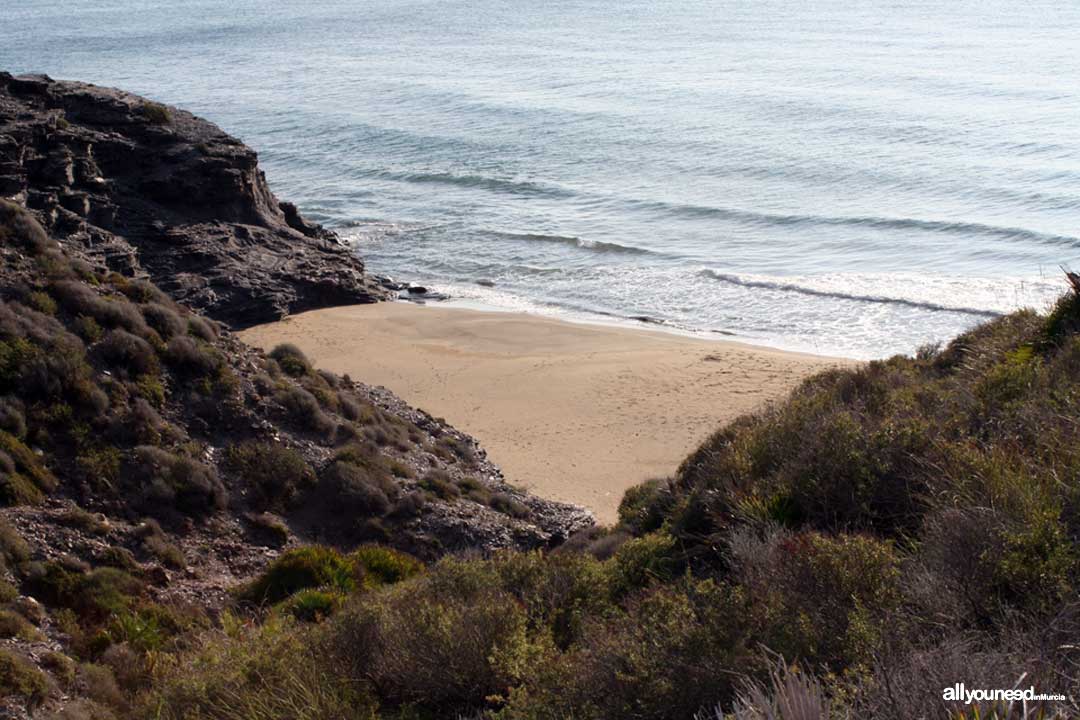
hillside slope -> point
(150, 462)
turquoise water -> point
(852, 178)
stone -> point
(182, 196)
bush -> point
(409, 505)
(19, 678)
(61, 666)
(165, 321)
(78, 299)
(156, 113)
(166, 483)
(143, 425)
(358, 489)
(266, 672)
(42, 302)
(87, 328)
(271, 525)
(128, 353)
(668, 656)
(440, 484)
(19, 228)
(304, 410)
(23, 479)
(275, 475)
(291, 359)
(384, 566)
(509, 505)
(93, 596)
(13, 625)
(12, 417)
(190, 357)
(643, 561)
(14, 551)
(643, 507)
(453, 447)
(825, 597)
(307, 567)
(166, 552)
(93, 523)
(418, 644)
(100, 684)
(312, 605)
(99, 464)
(202, 328)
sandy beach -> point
(574, 412)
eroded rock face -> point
(156, 192)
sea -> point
(854, 178)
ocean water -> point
(852, 178)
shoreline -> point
(572, 411)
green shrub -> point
(416, 644)
(275, 474)
(643, 561)
(23, 479)
(1038, 564)
(14, 625)
(14, 551)
(61, 666)
(92, 596)
(158, 545)
(671, 654)
(307, 567)
(87, 328)
(42, 302)
(643, 506)
(18, 678)
(156, 113)
(824, 598)
(8, 592)
(100, 464)
(291, 359)
(120, 558)
(312, 604)
(262, 672)
(400, 469)
(384, 566)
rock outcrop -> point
(153, 191)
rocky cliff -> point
(153, 191)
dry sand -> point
(572, 411)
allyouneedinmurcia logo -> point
(960, 693)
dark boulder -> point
(153, 191)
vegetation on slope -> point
(149, 461)
(886, 532)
